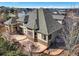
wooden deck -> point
(54, 52)
(42, 48)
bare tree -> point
(68, 30)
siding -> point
(39, 36)
(40, 40)
(25, 31)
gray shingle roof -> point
(11, 21)
(8, 22)
(32, 20)
(47, 25)
(43, 21)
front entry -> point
(35, 37)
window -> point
(50, 36)
(30, 33)
(44, 37)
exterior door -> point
(35, 37)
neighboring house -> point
(54, 11)
(12, 25)
(59, 18)
(41, 27)
(62, 11)
(12, 15)
(9, 25)
(57, 14)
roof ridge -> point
(43, 25)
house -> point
(41, 27)
(58, 14)
(12, 25)
(62, 11)
(59, 18)
(54, 11)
